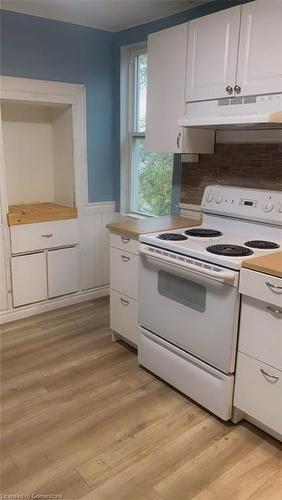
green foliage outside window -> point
(152, 172)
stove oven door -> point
(192, 309)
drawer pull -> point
(124, 239)
(274, 288)
(273, 378)
(274, 310)
(124, 302)
(125, 258)
(47, 235)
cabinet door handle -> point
(274, 288)
(47, 235)
(178, 140)
(124, 302)
(125, 258)
(229, 89)
(273, 378)
(237, 89)
(275, 310)
(124, 239)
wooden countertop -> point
(39, 212)
(268, 264)
(134, 228)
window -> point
(149, 175)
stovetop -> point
(233, 233)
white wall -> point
(38, 153)
(28, 156)
(94, 243)
(63, 158)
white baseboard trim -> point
(32, 310)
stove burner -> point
(262, 245)
(230, 250)
(203, 233)
(172, 237)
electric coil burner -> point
(172, 237)
(203, 233)
(230, 250)
(262, 245)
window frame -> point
(128, 103)
(128, 130)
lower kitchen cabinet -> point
(258, 392)
(44, 275)
(123, 316)
(124, 263)
(258, 384)
(63, 271)
(29, 278)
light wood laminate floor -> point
(81, 419)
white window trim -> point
(126, 127)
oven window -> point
(182, 290)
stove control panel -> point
(243, 203)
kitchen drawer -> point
(123, 242)
(257, 394)
(123, 316)
(261, 286)
(206, 385)
(124, 272)
(43, 235)
(260, 333)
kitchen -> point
(181, 371)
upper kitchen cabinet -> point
(38, 153)
(260, 49)
(166, 88)
(212, 55)
(235, 52)
(167, 52)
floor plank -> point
(80, 418)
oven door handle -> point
(222, 275)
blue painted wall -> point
(34, 47)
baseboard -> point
(31, 310)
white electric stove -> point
(189, 301)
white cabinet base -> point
(29, 279)
(123, 317)
(258, 390)
(63, 271)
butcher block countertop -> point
(268, 264)
(39, 212)
(134, 228)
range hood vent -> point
(250, 112)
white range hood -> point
(252, 112)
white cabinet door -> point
(63, 271)
(166, 88)
(212, 54)
(123, 316)
(29, 278)
(124, 272)
(260, 50)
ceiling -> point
(111, 15)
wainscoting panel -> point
(94, 246)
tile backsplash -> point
(245, 165)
